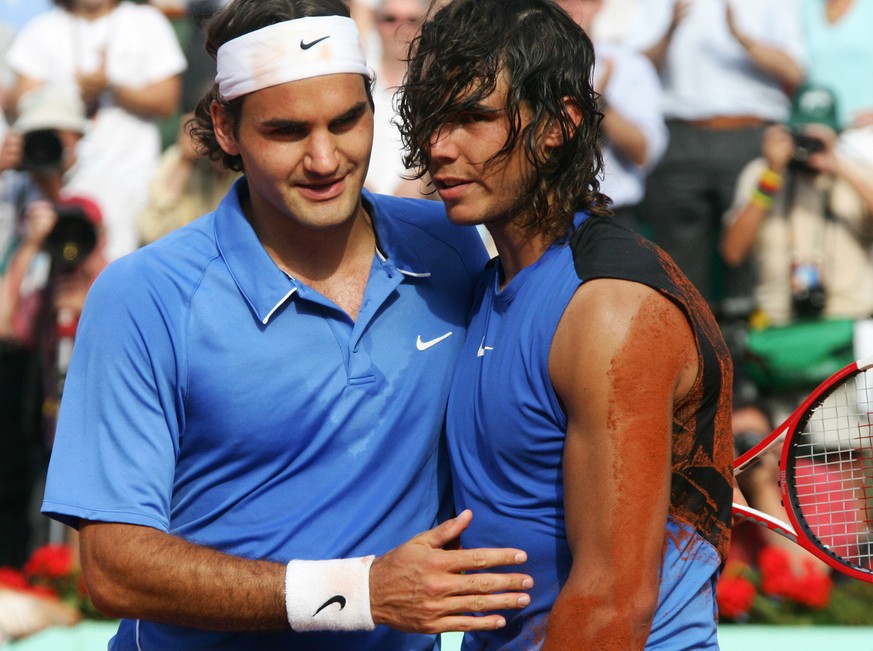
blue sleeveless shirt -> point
(506, 430)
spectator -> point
(840, 58)
(723, 67)
(635, 135)
(43, 142)
(804, 212)
(397, 23)
(613, 22)
(125, 61)
(841, 55)
(751, 422)
(185, 186)
(199, 76)
(364, 14)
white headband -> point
(289, 51)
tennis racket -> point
(826, 472)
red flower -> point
(50, 562)
(813, 588)
(807, 585)
(11, 578)
(734, 596)
(777, 577)
(43, 591)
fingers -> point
(461, 623)
(497, 584)
(447, 531)
(465, 560)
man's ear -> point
(553, 136)
(223, 128)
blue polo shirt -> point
(212, 396)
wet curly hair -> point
(462, 52)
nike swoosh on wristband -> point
(336, 599)
(424, 345)
(306, 46)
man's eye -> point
(290, 132)
(470, 118)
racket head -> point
(826, 471)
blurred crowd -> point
(737, 135)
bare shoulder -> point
(611, 321)
(617, 309)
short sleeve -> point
(120, 419)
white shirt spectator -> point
(120, 151)
(707, 73)
(634, 91)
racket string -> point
(832, 459)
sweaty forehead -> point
(307, 100)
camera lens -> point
(43, 152)
(72, 239)
(804, 147)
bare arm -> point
(140, 572)
(742, 230)
(857, 176)
(772, 60)
(831, 161)
(618, 377)
(626, 137)
(40, 219)
(658, 52)
(157, 99)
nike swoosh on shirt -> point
(424, 345)
(336, 599)
(306, 46)
(483, 348)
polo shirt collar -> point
(263, 284)
(393, 245)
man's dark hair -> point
(235, 19)
(457, 61)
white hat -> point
(50, 107)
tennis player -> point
(589, 415)
(263, 391)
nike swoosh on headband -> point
(306, 46)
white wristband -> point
(329, 595)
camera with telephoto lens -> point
(71, 241)
(804, 147)
(43, 152)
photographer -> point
(43, 273)
(806, 212)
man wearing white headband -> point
(262, 392)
